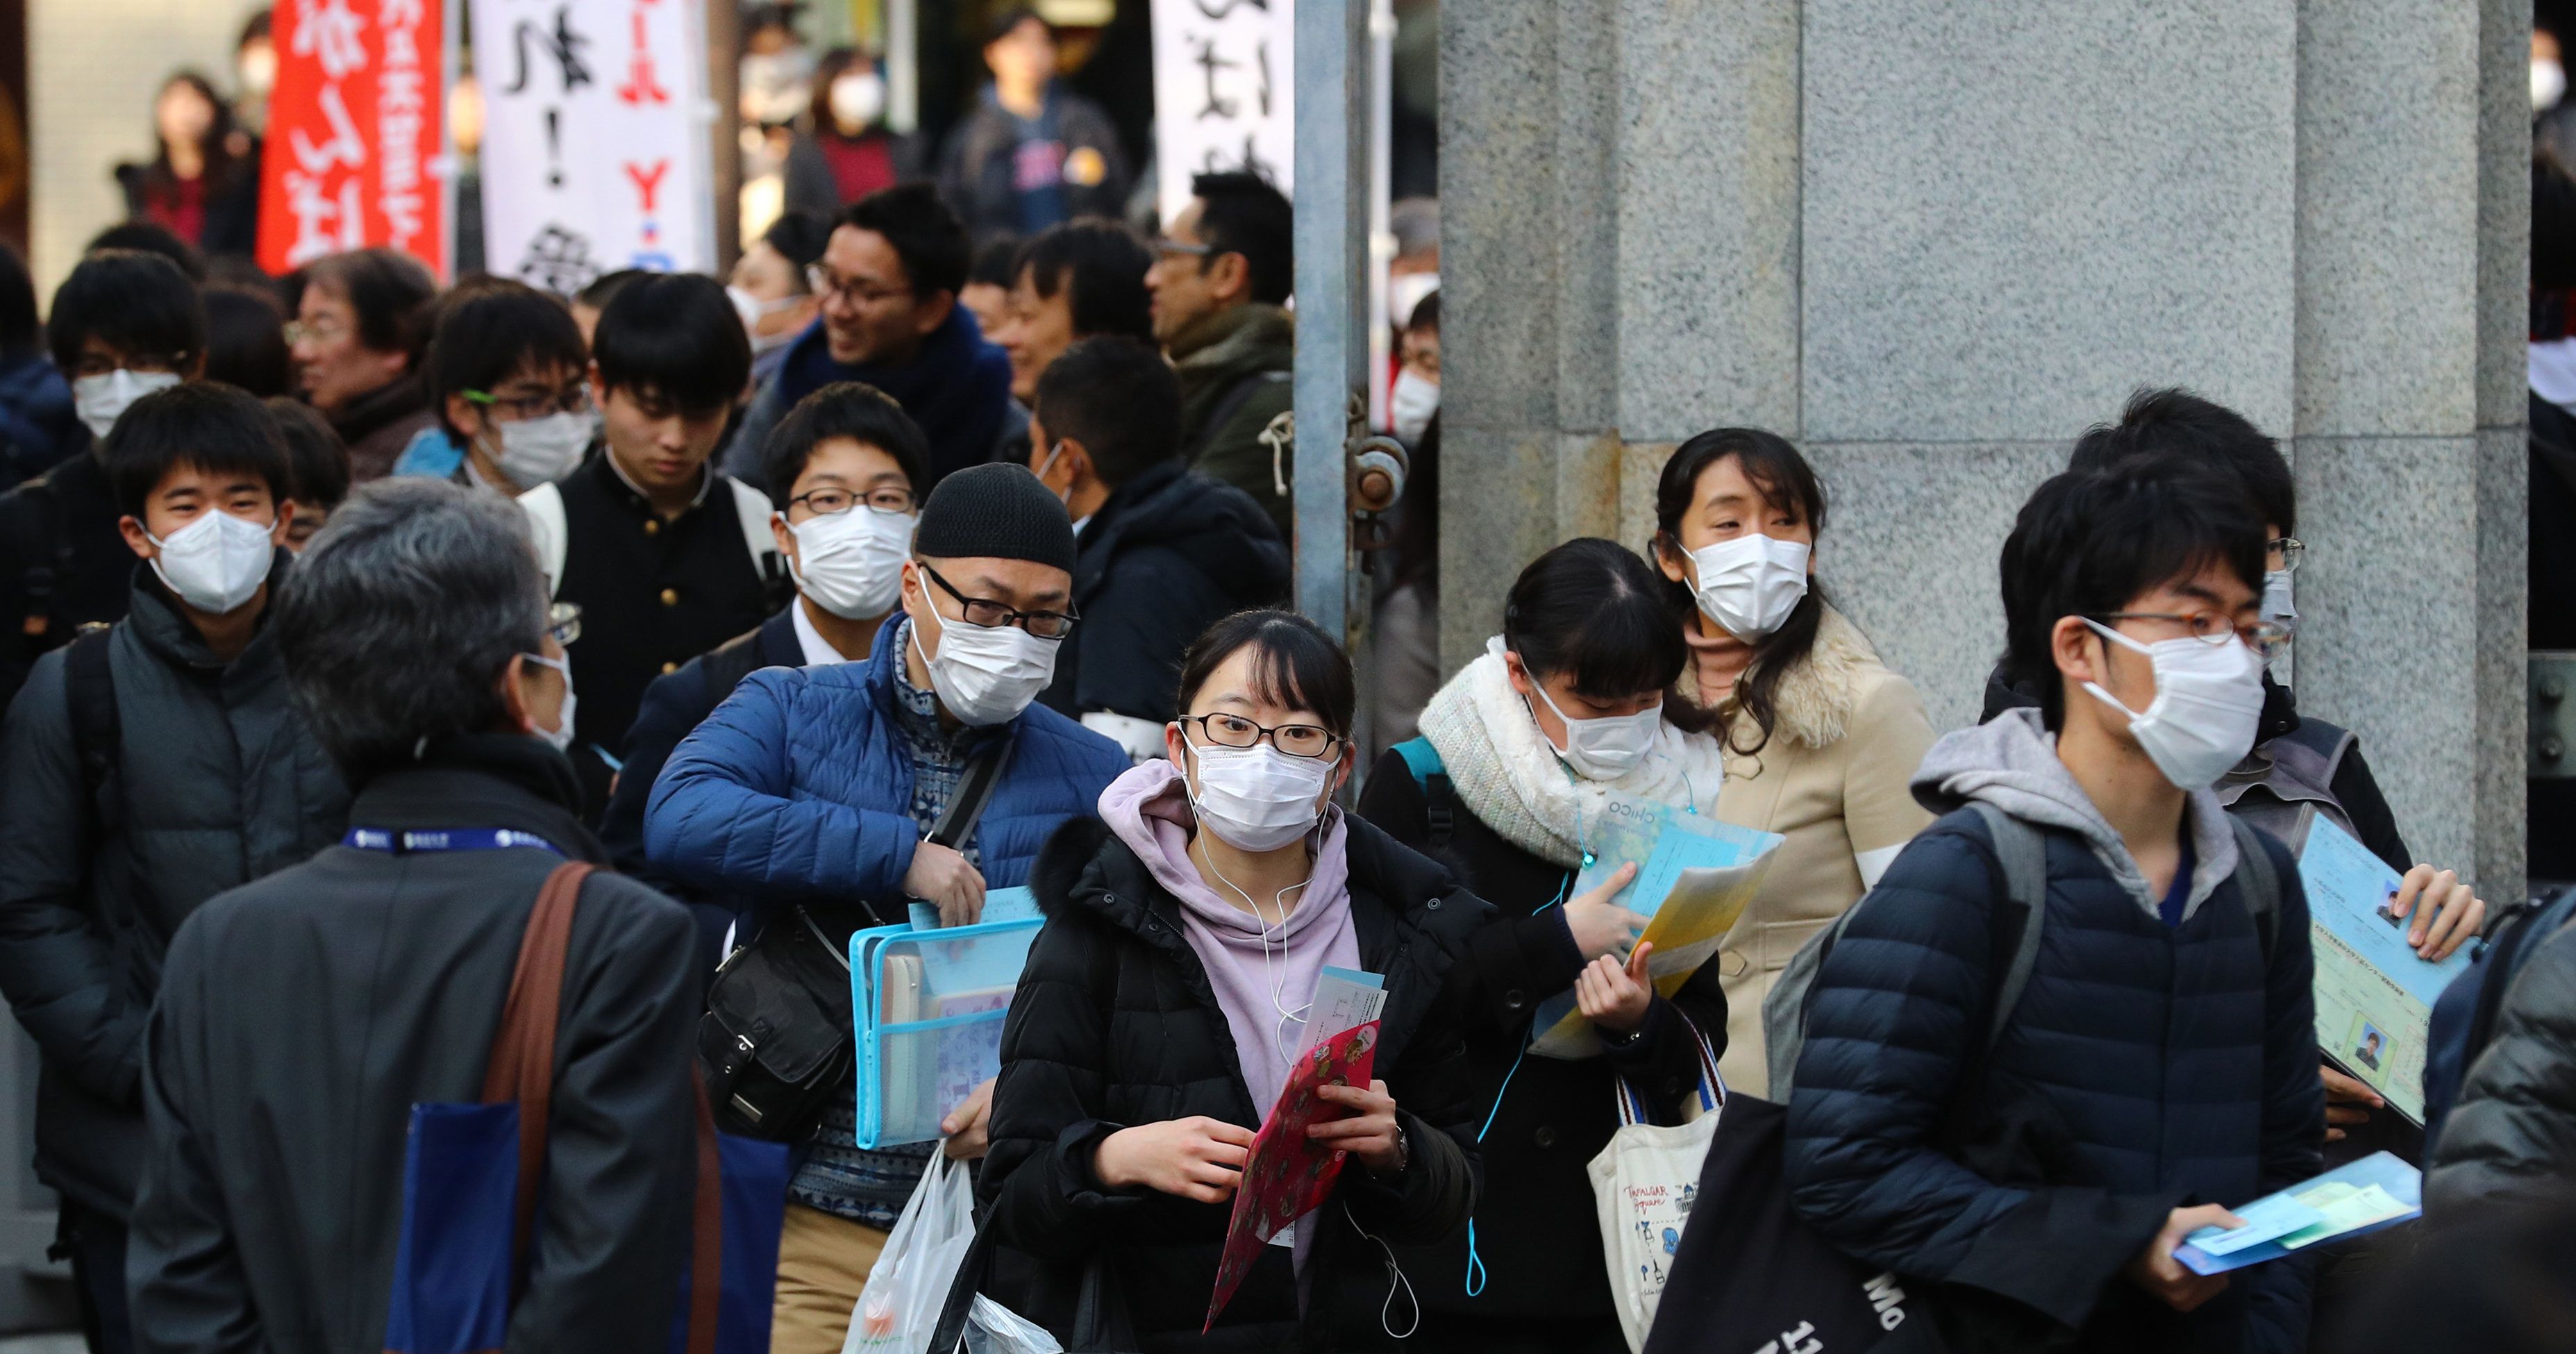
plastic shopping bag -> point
(992, 1328)
(1645, 1182)
(901, 1303)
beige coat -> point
(1835, 781)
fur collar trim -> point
(1819, 692)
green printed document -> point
(2380, 1190)
(2374, 994)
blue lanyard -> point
(447, 839)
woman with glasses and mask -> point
(1521, 754)
(1821, 738)
(1190, 931)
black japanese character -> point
(564, 45)
(1218, 9)
(558, 261)
(1217, 105)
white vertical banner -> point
(1223, 80)
(595, 152)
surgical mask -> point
(1065, 494)
(851, 563)
(2208, 706)
(1609, 747)
(1411, 406)
(857, 98)
(987, 675)
(2548, 85)
(2277, 607)
(560, 736)
(217, 562)
(1749, 585)
(538, 451)
(102, 399)
(1259, 798)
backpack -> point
(1439, 797)
(2464, 1017)
(2022, 849)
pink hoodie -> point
(1149, 809)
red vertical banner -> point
(356, 127)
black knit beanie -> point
(995, 511)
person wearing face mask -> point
(1164, 552)
(1187, 930)
(507, 375)
(769, 291)
(846, 151)
(810, 792)
(2159, 1059)
(1416, 396)
(302, 1016)
(849, 458)
(1820, 736)
(125, 323)
(148, 767)
(1520, 755)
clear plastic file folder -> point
(930, 1005)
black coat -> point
(978, 166)
(63, 564)
(1115, 1025)
(303, 1016)
(1170, 554)
(1538, 1233)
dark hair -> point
(246, 340)
(1244, 213)
(2175, 422)
(2491, 1277)
(994, 264)
(139, 304)
(1297, 665)
(1593, 610)
(849, 409)
(1119, 398)
(213, 427)
(255, 27)
(1784, 477)
(389, 290)
(799, 235)
(1426, 312)
(921, 229)
(400, 616)
(220, 168)
(314, 451)
(1009, 19)
(1101, 266)
(677, 336)
(482, 340)
(604, 288)
(2091, 542)
(152, 238)
(21, 334)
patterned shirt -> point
(838, 1176)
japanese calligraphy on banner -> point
(1223, 71)
(356, 132)
(595, 153)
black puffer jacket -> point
(1170, 554)
(1115, 1025)
(2513, 1134)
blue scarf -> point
(956, 387)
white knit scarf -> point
(1508, 774)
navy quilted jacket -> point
(2144, 1069)
(800, 786)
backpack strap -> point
(751, 509)
(1439, 797)
(2023, 853)
(545, 508)
(2258, 883)
(89, 689)
(49, 548)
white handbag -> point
(1645, 1183)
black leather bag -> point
(779, 1035)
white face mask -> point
(1410, 407)
(538, 451)
(217, 562)
(560, 736)
(102, 399)
(1258, 798)
(2208, 706)
(986, 675)
(2277, 606)
(851, 563)
(2548, 85)
(857, 98)
(1749, 585)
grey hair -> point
(399, 617)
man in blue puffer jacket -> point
(816, 785)
(2159, 1065)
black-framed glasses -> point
(824, 283)
(1295, 740)
(2283, 553)
(886, 498)
(519, 409)
(563, 621)
(990, 614)
(2215, 627)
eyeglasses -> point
(2284, 553)
(320, 331)
(1168, 247)
(885, 498)
(824, 285)
(989, 614)
(1294, 740)
(563, 621)
(2215, 627)
(522, 408)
